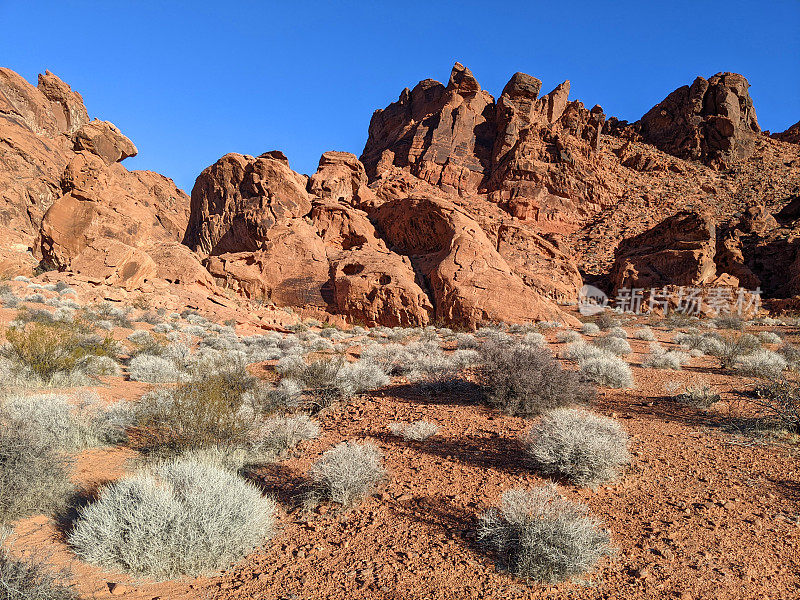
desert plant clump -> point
(791, 354)
(417, 431)
(780, 400)
(30, 579)
(526, 381)
(180, 517)
(334, 379)
(764, 363)
(276, 435)
(609, 370)
(659, 358)
(197, 414)
(613, 344)
(769, 337)
(346, 473)
(538, 535)
(568, 336)
(585, 448)
(733, 348)
(700, 395)
(154, 369)
(64, 423)
(730, 321)
(590, 328)
(33, 475)
(54, 353)
(534, 339)
(645, 333)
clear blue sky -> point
(190, 81)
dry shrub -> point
(585, 448)
(526, 380)
(541, 536)
(346, 473)
(181, 517)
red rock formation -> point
(791, 135)
(713, 121)
(470, 281)
(443, 135)
(678, 251)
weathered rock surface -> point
(470, 281)
(791, 135)
(443, 134)
(712, 120)
(107, 218)
(678, 251)
(267, 237)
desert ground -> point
(704, 504)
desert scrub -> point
(154, 369)
(64, 423)
(791, 354)
(346, 474)
(659, 358)
(538, 535)
(526, 380)
(30, 579)
(416, 431)
(590, 328)
(733, 348)
(198, 414)
(585, 448)
(700, 395)
(276, 435)
(179, 517)
(329, 380)
(780, 400)
(580, 351)
(54, 351)
(610, 371)
(33, 475)
(568, 336)
(764, 363)
(769, 337)
(730, 321)
(645, 333)
(613, 344)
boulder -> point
(105, 140)
(106, 219)
(712, 120)
(237, 200)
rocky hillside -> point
(462, 208)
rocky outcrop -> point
(712, 120)
(268, 232)
(104, 140)
(442, 134)
(678, 251)
(108, 217)
(65, 198)
(534, 156)
(791, 135)
(470, 282)
(756, 250)
(543, 264)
